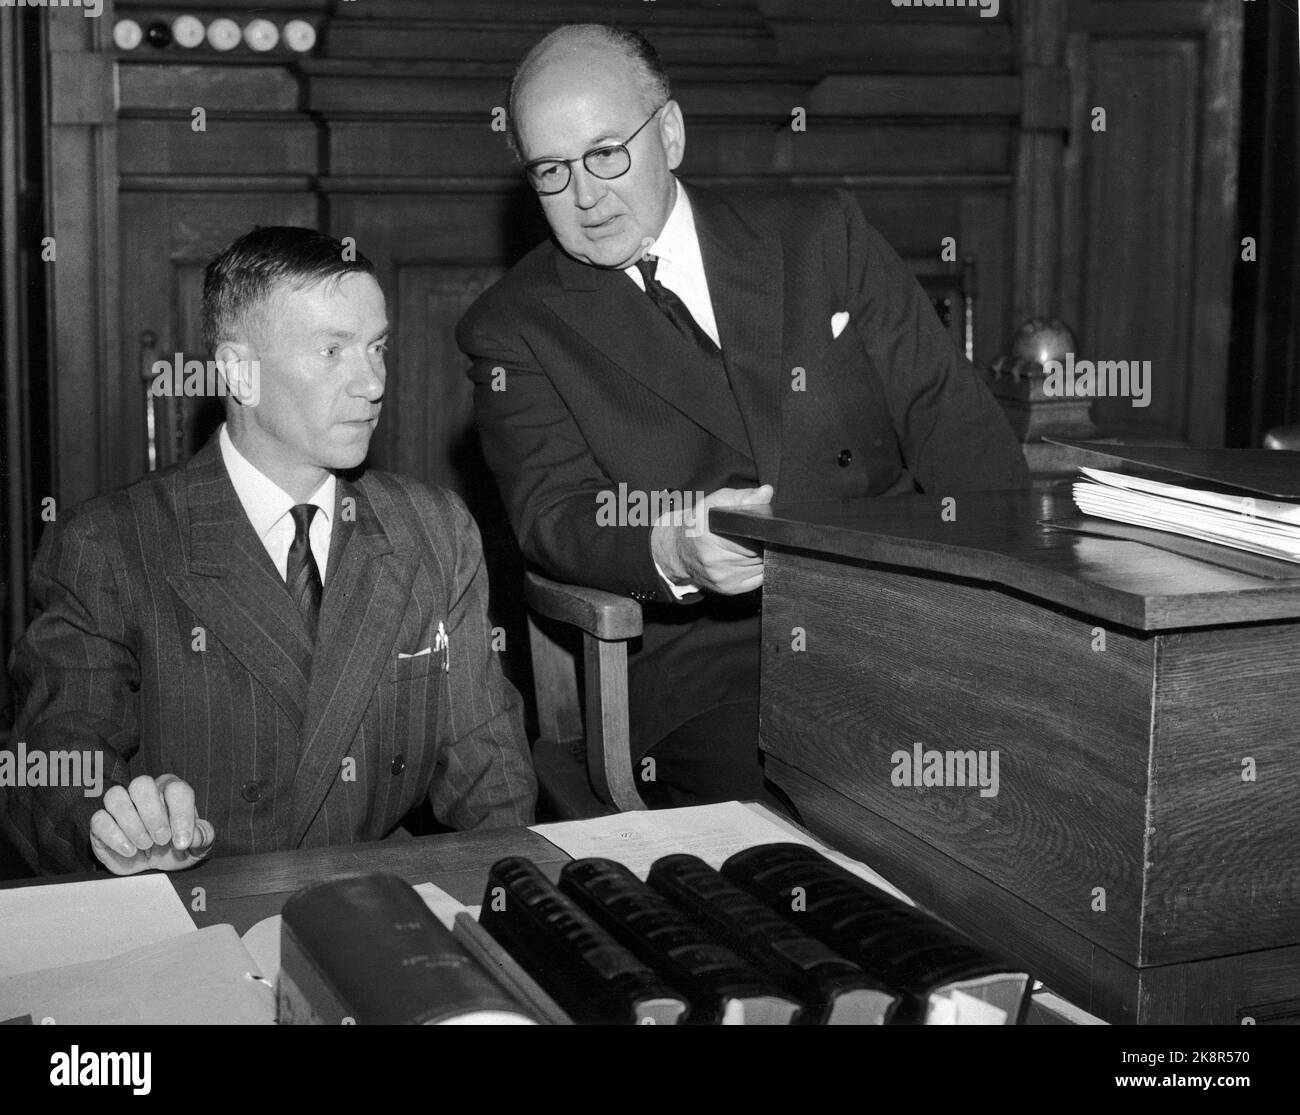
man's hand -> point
(151, 825)
(687, 551)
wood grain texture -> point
(995, 538)
(1065, 960)
(1263, 984)
(1224, 839)
(893, 660)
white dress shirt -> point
(267, 506)
(681, 270)
(681, 267)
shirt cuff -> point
(681, 592)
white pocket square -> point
(838, 322)
(417, 654)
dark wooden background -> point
(941, 122)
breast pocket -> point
(409, 669)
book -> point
(722, 987)
(833, 991)
(941, 975)
(582, 966)
(365, 949)
(1219, 514)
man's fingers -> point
(115, 861)
(751, 497)
(105, 830)
(122, 809)
(178, 797)
(204, 837)
(149, 805)
(738, 497)
(738, 549)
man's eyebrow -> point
(348, 334)
(609, 139)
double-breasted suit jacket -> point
(166, 639)
(839, 382)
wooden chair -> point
(583, 754)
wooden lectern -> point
(1141, 854)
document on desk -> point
(712, 832)
(68, 923)
(202, 977)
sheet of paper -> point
(443, 905)
(263, 940)
(1252, 507)
(67, 923)
(712, 832)
(201, 977)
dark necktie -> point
(675, 310)
(301, 573)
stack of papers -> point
(1260, 526)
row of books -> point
(780, 935)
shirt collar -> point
(264, 501)
(678, 242)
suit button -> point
(399, 764)
(251, 792)
(845, 458)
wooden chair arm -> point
(607, 621)
(603, 615)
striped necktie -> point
(301, 573)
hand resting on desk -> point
(689, 553)
(150, 826)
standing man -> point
(261, 649)
(670, 338)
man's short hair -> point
(239, 280)
(648, 69)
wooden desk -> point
(242, 890)
(1129, 694)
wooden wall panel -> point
(1138, 194)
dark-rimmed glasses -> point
(612, 160)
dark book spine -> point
(583, 967)
(905, 948)
(830, 987)
(722, 987)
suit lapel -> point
(609, 311)
(234, 590)
(745, 276)
(367, 588)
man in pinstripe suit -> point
(268, 651)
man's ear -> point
(240, 371)
(672, 134)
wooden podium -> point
(1142, 852)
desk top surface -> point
(1000, 538)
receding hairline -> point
(573, 39)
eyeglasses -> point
(551, 176)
